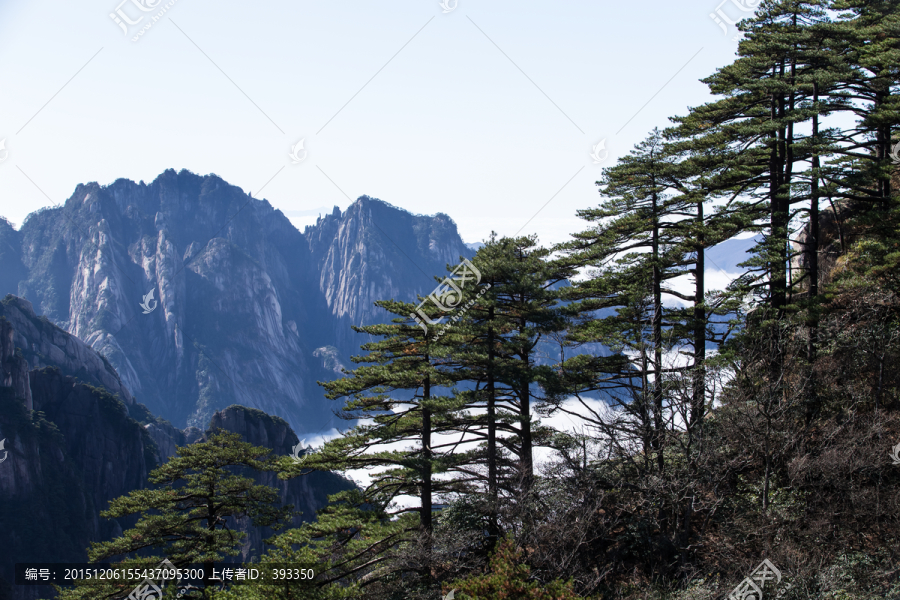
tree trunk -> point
(699, 379)
(527, 459)
(812, 249)
(426, 464)
(426, 514)
(778, 218)
(812, 242)
(208, 567)
(657, 339)
(492, 430)
(882, 144)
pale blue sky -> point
(484, 113)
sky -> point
(486, 111)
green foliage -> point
(349, 547)
(495, 351)
(509, 577)
(185, 514)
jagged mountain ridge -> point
(244, 298)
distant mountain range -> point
(200, 296)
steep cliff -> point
(12, 270)
(13, 366)
(201, 296)
(81, 446)
(65, 459)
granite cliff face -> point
(201, 296)
(71, 447)
(374, 251)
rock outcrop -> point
(43, 344)
(70, 447)
(13, 366)
(835, 235)
(374, 251)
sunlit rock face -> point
(201, 296)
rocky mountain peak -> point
(201, 296)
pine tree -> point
(637, 247)
(350, 547)
(752, 129)
(651, 230)
(185, 515)
(394, 392)
(496, 363)
(866, 38)
(494, 357)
